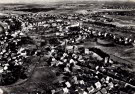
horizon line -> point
(61, 1)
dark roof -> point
(1, 28)
(99, 52)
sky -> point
(48, 1)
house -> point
(102, 54)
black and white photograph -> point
(67, 46)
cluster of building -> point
(59, 24)
(80, 70)
(85, 70)
(107, 32)
(13, 50)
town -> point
(77, 50)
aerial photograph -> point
(67, 46)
